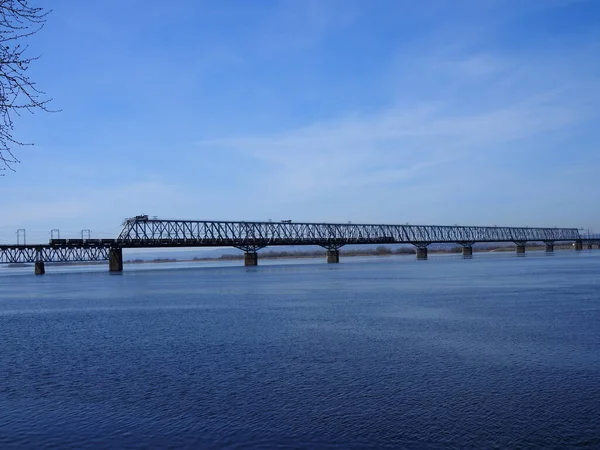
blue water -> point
(493, 352)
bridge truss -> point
(10, 254)
(591, 239)
(142, 232)
(248, 236)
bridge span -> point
(144, 232)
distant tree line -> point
(378, 251)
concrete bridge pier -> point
(333, 253)
(250, 259)
(549, 247)
(520, 248)
(578, 245)
(250, 254)
(421, 251)
(333, 256)
(590, 246)
(115, 260)
(467, 249)
(40, 268)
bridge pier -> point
(40, 268)
(333, 256)
(590, 246)
(333, 253)
(250, 254)
(549, 248)
(250, 259)
(421, 253)
(520, 248)
(467, 249)
(578, 245)
(115, 260)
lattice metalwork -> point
(47, 253)
(250, 236)
(593, 239)
(144, 232)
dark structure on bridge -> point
(143, 232)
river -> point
(376, 352)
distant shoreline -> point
(378, 251)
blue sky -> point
(475, 112)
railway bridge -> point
(144, 232)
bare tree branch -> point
(18, 92)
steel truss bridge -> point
(143, 232)
(32, 253)
(251, 236)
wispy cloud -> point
(392, 146)
(438, 112)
